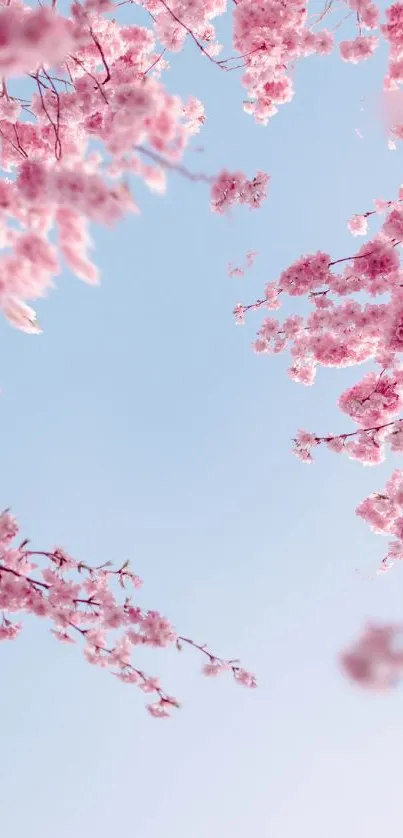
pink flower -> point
(380, 511)
(63, 636)
(113, 617)
(394, 554)
(395, 438)
(306, 274)
(398, 527)
(303, 373)
(82, 603)
(306, 439)
(375, 661)
(372, 401)
(245, 678)
(9, 631)
(358, 225)
(250, 258)
(194, 112)
(376, 258)
(214, 668)
(360, 48)
(261, 345)
(271, 293)
(324, 42)
(233, 188)
(150, 685)
(393, 226)
(304, 442)
(366, 448)
(33, 181)
(9, 109)
(158, 710)
(232, 271)
(21, 316)
(395, 331)
(38, 251)
(128, 676)
(8, 527)
(239, 314)
(336, 444)
(369, 15)
(381, 205)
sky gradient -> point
(141, 424)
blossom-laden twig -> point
(82, 601)
(339, 331)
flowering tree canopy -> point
(84, 112)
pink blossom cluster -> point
(383, 511)
(374, 399)
(84, 603)
(344, 329)
(32, 37)
(270, 37)
(393, 34)
(367, 445)
(95, 83)
(340, 329)
(176, 19)
(97, 115)
(231, 188)
(392, 31)
(360, 48)
(355, 315)
(375, 661)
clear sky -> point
(141, 424)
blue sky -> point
(141, 424)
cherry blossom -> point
(362, 47)
(358, 225)
(95, 118)
(93, 605)
(376, 660)
(249, 262)
(355, 315)
(89, 79)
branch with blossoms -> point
(375, 395)
(340, 330)
(375, 660)
(106, 89)
(95, 79)
(83, 602)
(96, 114)
(383, 511)
(365, 445)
